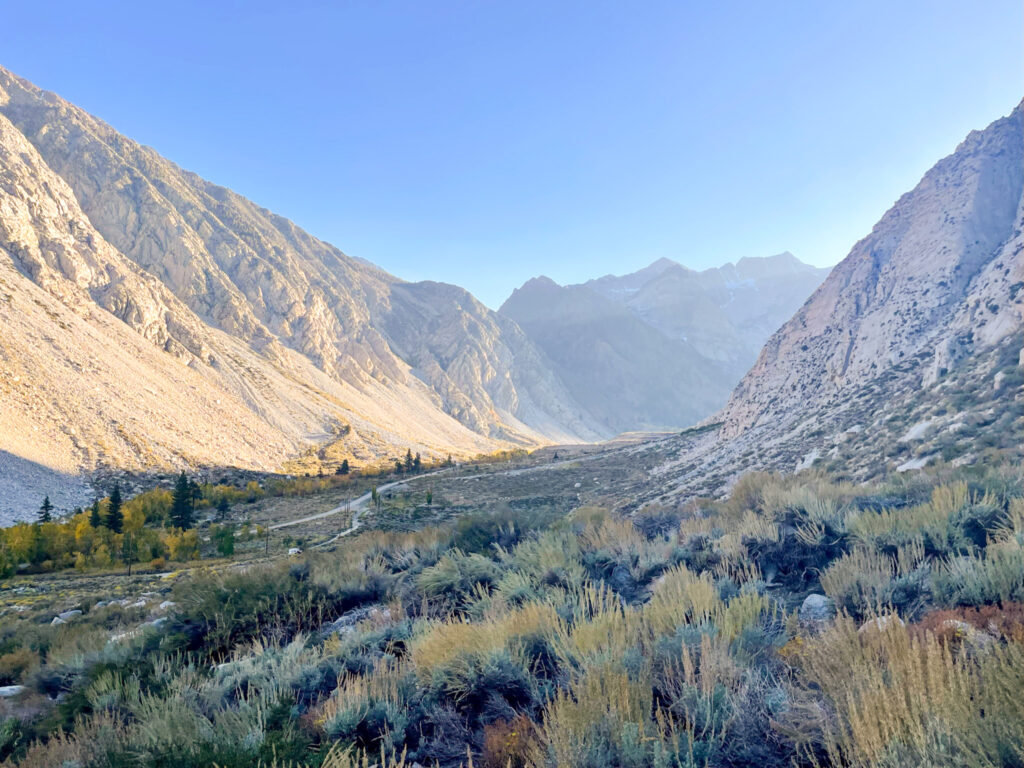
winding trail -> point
(356, 506)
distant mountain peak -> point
(785, 257)
(541, 281)
(663, 345)
(660, 265)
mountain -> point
(153, 320)
(940, 274)
(909, 353)
(662, 346)
(626, 373)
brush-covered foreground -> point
(802, 622)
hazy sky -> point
(483, 143)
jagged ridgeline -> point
(664, 346)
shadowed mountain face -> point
(257, 338)
(662, 346)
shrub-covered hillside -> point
(802, 622)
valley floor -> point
(504, 614)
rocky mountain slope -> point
(941, 273)
(909, 353)
(662, 346)
(257, 339)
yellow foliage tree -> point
(182, 545)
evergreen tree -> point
(95, 520)
(115, 517)
(417, 463)
(448, 462)
(181, 503)
(408, 460)
(343, 469)
(45, 511)
(398, 466)
(222, 507)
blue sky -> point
(483, 143)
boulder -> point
(816, 611)
(880, 624)
(975, 640)
(68, 615)
(10, 691)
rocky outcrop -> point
(940, 275)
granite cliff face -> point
(941, 275)
(663, 346)
(260, 340)
(910, 353)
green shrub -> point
(456, 575)
(973, 580)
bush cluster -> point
(586, 641)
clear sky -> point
(483, 143)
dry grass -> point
(681, 597)
(905, 700)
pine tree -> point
(45, 511)
(181, 503)
(95, 520)
(223, 507)
(115, 518)
(343, 469)
(417, 462)
(398, 466)
(408, 460)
